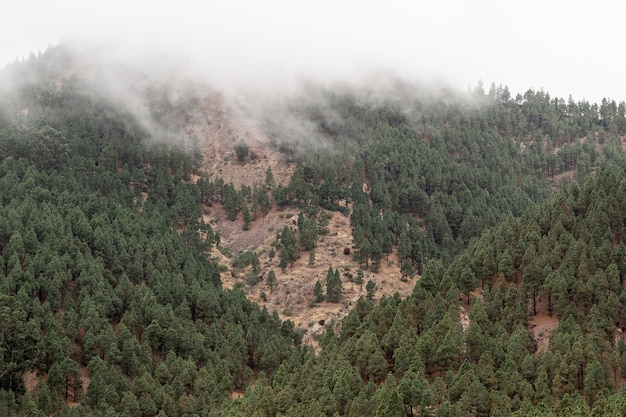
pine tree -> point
(318, 292)
(391, 406)
(231, 203)
(241, 150)
(406, 270)
(467, 282)
(308, 234)
(334, 287)
(376, 255)
(370, 288)
(245, 212)
(347, 386)
(359, 277)
(73, 382)
(271, 280)
(595, 379)
(269, 178)
(369, 358)
(56, 383)
(289, 252)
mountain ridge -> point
(119, 258)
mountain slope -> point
(138, 212)
(104, 265)
(423, 359)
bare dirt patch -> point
(541, 326)
(291, 298)
(30, 380)
(566, 177)
(218, 129)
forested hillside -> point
(416, 356)
(504, 209)
(108, 298)
(413, 158)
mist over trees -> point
(426, 171)
(104, 267)
(499, 208)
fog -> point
(557, 46)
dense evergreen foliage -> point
(109, 300)
(416, 356)
(103, 267)
(454, 164)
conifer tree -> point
(369, 358)
(289, 253)
(269, 178)
(359, 277)
(271, 280)
(318, 292)
(334, 287)
(245, 212)
(370, 288)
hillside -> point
(217, 129)
(382, 250)
(566, 279)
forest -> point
(499, 208)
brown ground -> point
(30, 379)
(218, 132)
(564, 177)
(541, 325)
(293, 293)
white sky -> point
(563, 47)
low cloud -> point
(274, 43)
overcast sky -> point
(563, 47)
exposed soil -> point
(541, 326)
(564, 177)
(218, 129)
(292, 295)
(464, 318)
(218, 132)
(30, 379)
